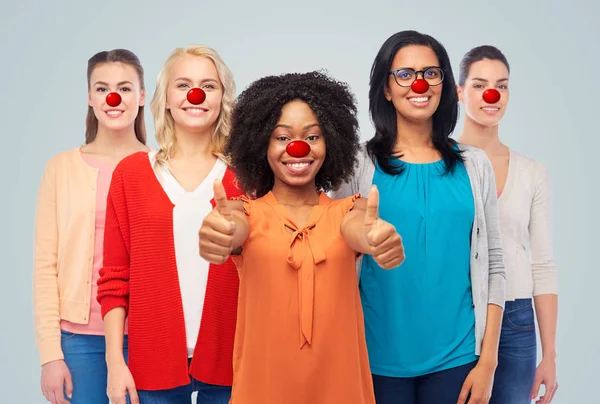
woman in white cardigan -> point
(524, 203)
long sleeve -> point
(542, 261)
(113, 284)
(46, 307)
(497, 270)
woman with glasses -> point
(433, 323)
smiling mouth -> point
(490, 110)
(297, 167)
(195, 111)
(114, 113)
(420, 101)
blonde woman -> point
(69, 232)
(181, 309)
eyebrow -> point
(484, 80)
(120, 83)
(202, 81)
(282, 125)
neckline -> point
(509, 176)
(286, 216)
(165, 174)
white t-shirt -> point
(190, 209)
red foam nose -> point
(297, 148)
(420, 86)
(113, 99)
(491, 96)
(196, 96)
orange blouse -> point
(300, 333)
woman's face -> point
(122, 79)
(297, 123)
(194, 72)
(409, 105)
(483, 75)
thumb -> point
(372, 214)
(221, 200)
(69, 385)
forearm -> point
(491, 338)
(114, 330)
(352, 227)
(546, 308)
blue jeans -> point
(441, 387)
(207, 394)
(516, 355)
(85, 356)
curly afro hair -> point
(257, 111)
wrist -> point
(488, 362)
(114, 360)
(549, 355)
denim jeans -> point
(516, 354)
(207, 394)
(436, 388)
(85, 356)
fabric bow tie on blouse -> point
(304, 254)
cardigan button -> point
(476, 255)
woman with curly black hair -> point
(432, 327)
(300, 332)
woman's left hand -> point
(478, 385)
(546, 375)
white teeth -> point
(298, 165)
(114, 113)
(490, 109)
(419, 99)
(194, 110)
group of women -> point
(262, 254)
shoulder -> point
(527, 164)
(473, 154)
(63, 158)
(133, 162)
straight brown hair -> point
(115, 56)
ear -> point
(459, 91)
(90, 97)
(142, 98)
(386, 93)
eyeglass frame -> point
(393, 72)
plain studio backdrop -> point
(552, 47)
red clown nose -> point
(491, 96)
(196, 96)
(297, 148)
(420, 86)
(113, 99)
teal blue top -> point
(419, 317)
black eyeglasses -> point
(405, 76)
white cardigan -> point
(524, 207)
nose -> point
(113, 99)
(491, 96)
(298, 148)
(196, 96)
(420, 86)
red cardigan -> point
(140, 274)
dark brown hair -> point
(477, 54)
(115, 56)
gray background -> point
(551, 45)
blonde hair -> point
(163, 120)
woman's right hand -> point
(120, 382)
(56, 380)
(218, 228)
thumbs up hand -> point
(218, 229)
(384, 242)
